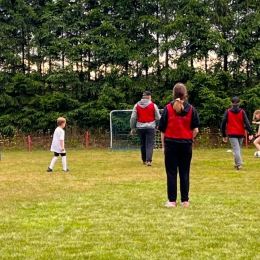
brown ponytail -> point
(179, 96)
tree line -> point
(83, 58)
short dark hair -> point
(147, 93)
(235, 100)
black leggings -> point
(177, 159)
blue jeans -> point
(146, 137)
(236, 143)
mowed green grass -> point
(112, 207)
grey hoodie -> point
(134, 117)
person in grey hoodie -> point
(145, 118)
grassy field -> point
(112, 207)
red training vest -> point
(147, 114)
(235, 123)
(178, 126)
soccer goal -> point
(120, 138)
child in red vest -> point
(179, 126)
(233, 127)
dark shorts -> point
(61, 154)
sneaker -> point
(170, 204)
(239, 168)
(185, 203)
(144, 163)
(66, 170)
(149, 164)
(49, 169)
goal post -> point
(120, 137)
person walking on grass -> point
(179, 126)
(58, 145)
(233, 128)
(145, 118)
(256, 120)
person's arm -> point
(195, 131)
(62, 137)
(163, 121)
(163, 125)
(256, 122)
(62, 145)
(248, 126)
(162, 140)
(223, 126)
(195, 122)
(157, 116)
(133, 120)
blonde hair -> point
(257, 112)
(179, 95)
(61, 120)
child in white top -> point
(58, 145)
(256, 120)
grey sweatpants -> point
(236, 144)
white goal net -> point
(120, 138)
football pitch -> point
(110, 206)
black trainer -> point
(49, 169)
(66, 170)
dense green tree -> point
(82, 59)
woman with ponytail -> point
(179, 126)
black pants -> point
(146, 137)
(178, 158)
(61, 154)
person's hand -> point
(132, 132)
(250, 137)
(62, 149)
(253, 122)
(163, 151)
(225, 139)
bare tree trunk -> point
(23, 52)
(50, 65)
(28, 56)
(225, 63)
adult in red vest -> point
(233, 125)
(179, 126)
(145, 118)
